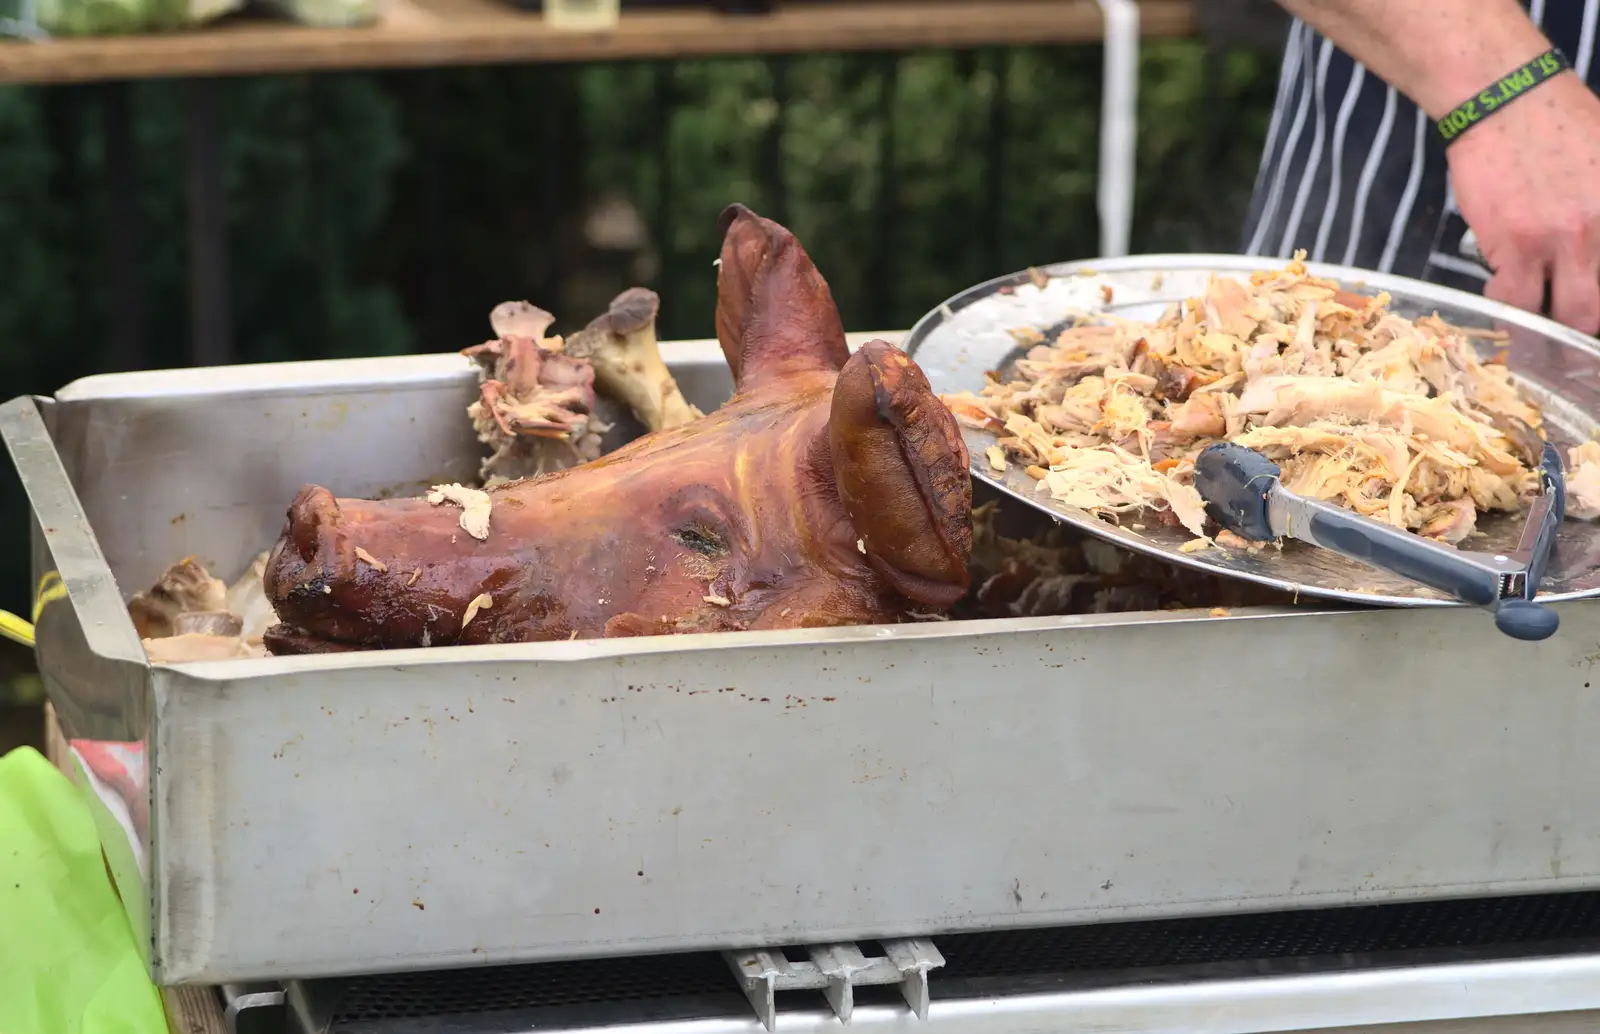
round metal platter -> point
(1558, 368)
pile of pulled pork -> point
(1396, 419)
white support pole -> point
(1119, 125)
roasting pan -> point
(1555, 366)
(317, 816)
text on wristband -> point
(1506, 90)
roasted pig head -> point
(831, 489)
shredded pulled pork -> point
(476, 506)
(1396, 419)
(1583, 481)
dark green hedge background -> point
(384, 213)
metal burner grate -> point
(539, 986)
(1484, 922)
(1499, 923)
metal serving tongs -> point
(1243, 493)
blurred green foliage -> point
(381, 213)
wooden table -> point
(439, 33)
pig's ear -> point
(901, 469)
(775, 314)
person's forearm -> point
(1437, 52)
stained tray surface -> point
(972, 333)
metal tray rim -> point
(108, 631)
(1248, 264)
(322, 375)
(578, 651)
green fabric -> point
(68, 960)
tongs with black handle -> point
(1244, 494)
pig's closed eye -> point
(702, 539)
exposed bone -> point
(208, 622)
(627, 362)
(184, 587)
(523, 319)
(536, 405)
(191, 616)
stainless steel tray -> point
(406, 810)
(1558, 367)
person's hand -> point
(1527, 181)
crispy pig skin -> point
(830, 490)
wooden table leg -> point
(194, 1010)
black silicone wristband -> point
(1474, 110)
